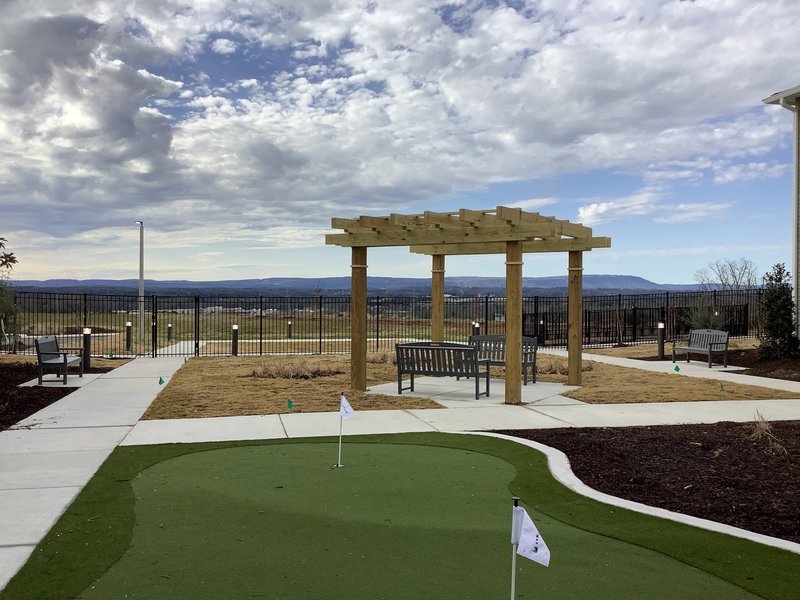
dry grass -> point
(762, 434)
(218, 387)
(610, 384)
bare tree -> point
(728, 274)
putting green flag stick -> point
(525, 541)
(345, 412)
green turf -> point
(411, 516)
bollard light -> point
(128, 336)
(235, 340)
(476, 328)
(169, 332)
(289, 329)
(661, 331)
(87, 348)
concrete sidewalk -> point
(46, 459)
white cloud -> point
(332, 108)
(644, 202)
(684, 213)
(533, 204)
(224, 46)
(749, 171)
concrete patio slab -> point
(73, 380)
(486, 417)
(24, 441)
(88, 417)
(362, 422)
(48, 469)
(27, 515)
(217, 429)
(11, 560)
(610, 415)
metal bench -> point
(704, 341)
(48, 356)
(440, 359)
(493, 349)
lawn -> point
(410, 516)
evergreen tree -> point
(776, 312)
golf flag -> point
(345, 410)
(530, 543)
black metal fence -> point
(209, 326)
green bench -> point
(704, 341)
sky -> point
(236, 129)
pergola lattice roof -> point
(466, 232)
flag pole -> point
(339, 462)
(516, 526)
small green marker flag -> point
(677, 369)
(160, 381)
(289, 404)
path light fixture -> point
(87, 348)
(661, 332)
(235, 340)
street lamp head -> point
(140, 222)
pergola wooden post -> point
(503, 230)
(513, 322)
(574, 317)
(437, 298)
(358, 317)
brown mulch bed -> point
(716, 472)
(17, 403)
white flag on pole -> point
(345, 410)
(531, 545)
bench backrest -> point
(46, 348)
(437, 358)
(493, 347)
(703, 338)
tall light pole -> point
(790, 99)
(141, 279)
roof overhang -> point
(786, 98)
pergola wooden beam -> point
(507, 230)
(544, 245)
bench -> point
(439, 359)
(704, 341)
(48, 356)
(493, 349)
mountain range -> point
(294, 286)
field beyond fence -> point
(216, 326)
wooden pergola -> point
(503, 230)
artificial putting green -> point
(411, 516)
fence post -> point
(319, 313)
(154, 328)
(260, 325)
(635, 324)
(197, 325)
(486, 314)
(377, 324)
(85, 309)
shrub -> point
(293, 369)
(776, 311)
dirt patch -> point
(716, 472)
(18, 403)
(224, 386)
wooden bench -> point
(440, 359)
(493, 349)
(704, 341)
(48, 356)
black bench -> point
(704, 341)
(493, 349)
(49, 356)
(439, 359)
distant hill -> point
(300, 286)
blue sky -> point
(236, 129)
